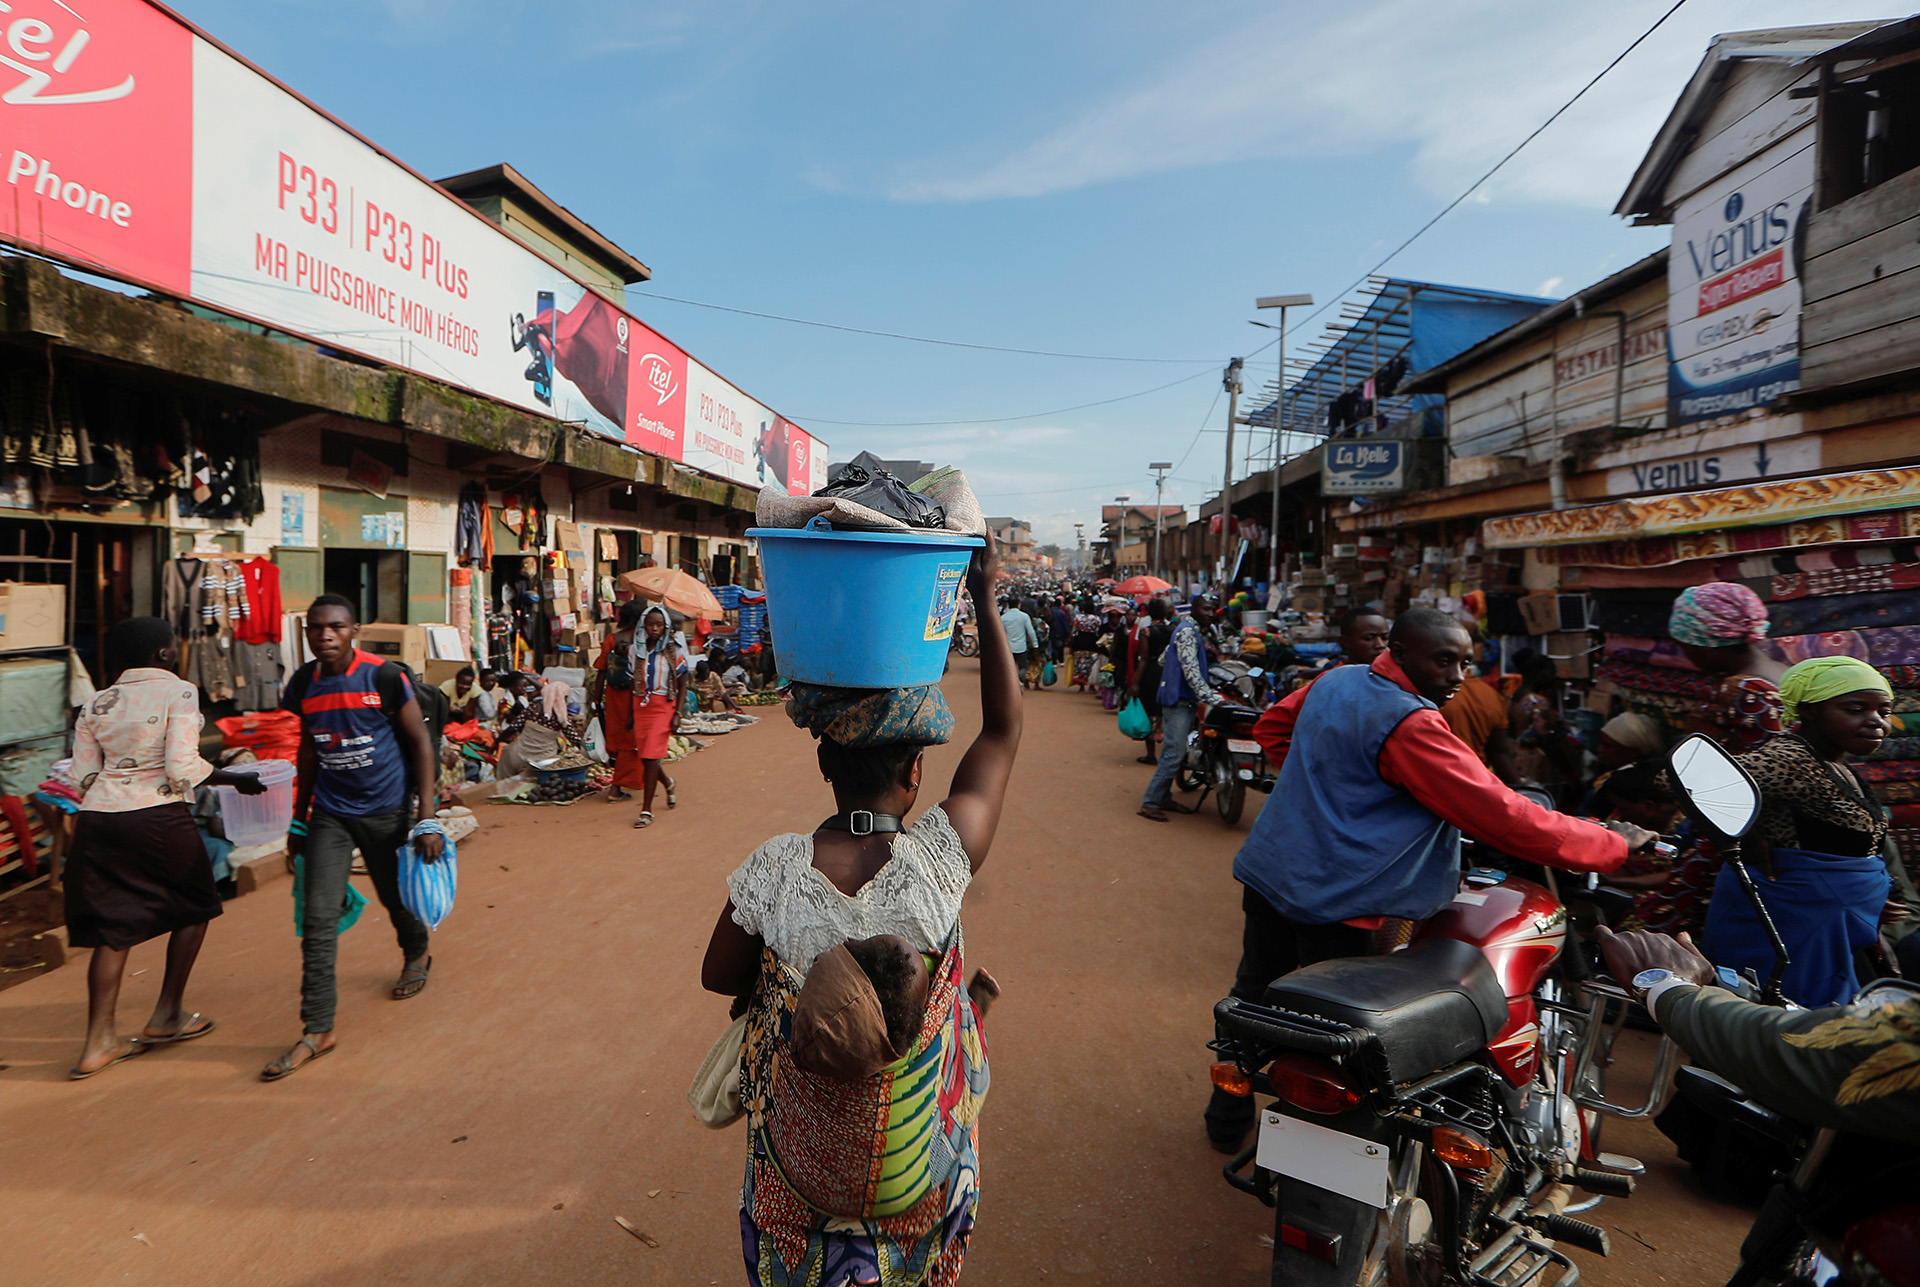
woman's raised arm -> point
(980, 783)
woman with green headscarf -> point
(1817, 842)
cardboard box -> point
(1572, 654)
(397, 643)
(1541, 613)
(439, 672)
(1309, 603)
(32, 616)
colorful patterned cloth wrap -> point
(894, 1155)
(864, 717)
(1884, 771)
(1717, 614)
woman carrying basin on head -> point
(827, 1198)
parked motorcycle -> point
(1222, 757)
(1434, 1109)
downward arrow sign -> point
(1760, 459)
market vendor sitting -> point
(538, 730)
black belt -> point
(863, 822)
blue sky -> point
(1117, 178)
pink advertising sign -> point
(98, 121)
(139, 149)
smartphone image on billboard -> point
(537, 336)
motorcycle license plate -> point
(1353, 1168)
(1242, 746)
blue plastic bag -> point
(427, 888)
(1134, 721)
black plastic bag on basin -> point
(884, 493)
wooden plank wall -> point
(1861, 315)
(1519, 401)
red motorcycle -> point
(1434, 1108)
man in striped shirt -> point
(364, 750)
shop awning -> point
(1790, 500)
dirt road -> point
(489, 1130)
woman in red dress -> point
(616, 666)
(659, 682)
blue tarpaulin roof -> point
(1421, 323)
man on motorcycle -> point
(1183, 682)
(1364, 823)
(1833, 1067)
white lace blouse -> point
(779, 895)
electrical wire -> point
(1497, 165)
(922, 339)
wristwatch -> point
(1644, 981)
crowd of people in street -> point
(842, 949)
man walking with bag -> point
(364, 747)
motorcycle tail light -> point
(1312, 1085)
(1229, 1078)
(1461, 1150)
(1319, 1246)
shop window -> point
(1869, 132)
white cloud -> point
(1460, 83)
(1549, 286)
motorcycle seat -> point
(1431, 1005)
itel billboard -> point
(139, 149)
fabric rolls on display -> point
(1648, 652)
(1888, 646)
(1887, 771)
(1845, 612)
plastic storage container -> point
(259, 819)
(863, 609)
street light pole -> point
(1159, 468)
(1283, 303)
(1231, 381)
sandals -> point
(137, 1049)
(673, 800)
(413, 980)
(288, 1069)
(644, 821)
(1152, 814)
(185, 1032)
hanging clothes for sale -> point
(533, 527)
(472, 531)
(260, 585)
(257, 675)
(180, 594)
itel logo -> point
(658, 373)
(30, 51)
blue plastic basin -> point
(863, 609)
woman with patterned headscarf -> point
(1719, 627)
(1816, 847)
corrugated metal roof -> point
(1418, 321)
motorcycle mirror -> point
(1717, 790)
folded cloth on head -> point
(861, 717)
(777, 509)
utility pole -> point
(1230, 380)
(1159, 468)
(1283, 303)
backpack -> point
(620, 666)
(436, 708)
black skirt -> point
(136, 875)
